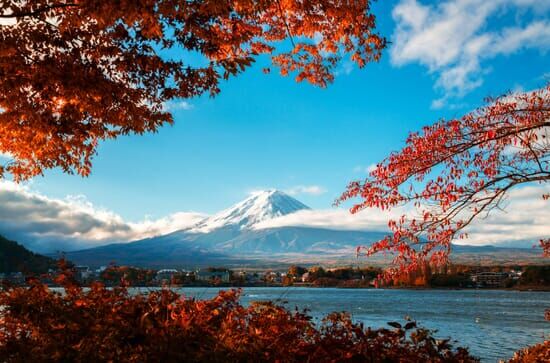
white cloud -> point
(535, 35)
(5, 155)
(45, 224)
(524, 220)
(339, 219)
(306, 189)
(438, 103)
(346, 68)
(453, 39)
(364, 169)
(525, 217)
(177, 105)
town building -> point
(207, 275)
(166, 275)
(83, 272)
(489, 279)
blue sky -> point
(267, 131)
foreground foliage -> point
(103, 324)
(539, 353)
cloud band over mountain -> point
(46, 225)
(523, 220)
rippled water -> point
(491, 323)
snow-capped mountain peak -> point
(258, 207)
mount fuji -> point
(234, 235)
(237, 237)
(259, 207)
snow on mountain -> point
(259, 207)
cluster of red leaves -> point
(101, 324)
(536, 353)
(73, 73)
(454, 171)
(545, 245)
(127, 275)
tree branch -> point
(283, 17)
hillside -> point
(15, 258)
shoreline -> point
(419, 288)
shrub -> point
(536, 275)
(325, 282)
(449, 280)
(539, 353)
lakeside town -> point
(452, 276)
(19, 264)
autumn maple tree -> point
(74, 72)
(455, 171)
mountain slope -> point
(16, 258)
(198, 249)
(151, 253)
(303, 240)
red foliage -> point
(539, 353)
(127, 275)
(73, 73)
(545, 245)
(103, 324)
(455, 171)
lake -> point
(493, 324)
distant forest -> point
(16, 258)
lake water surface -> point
(491, 323)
